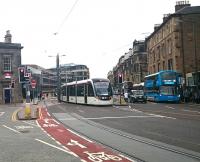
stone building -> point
(132, 66)
(175, 44)
(139, 60)
(10, 60)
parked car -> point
(137, 96)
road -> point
(173, 127)
(24, 141)
(68, 132)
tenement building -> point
(175, 44)
(10, 60)
(132, 66)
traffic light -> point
(13, 84)
(21, 73)
(119, 78)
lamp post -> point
(58, 74)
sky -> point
(95, 33)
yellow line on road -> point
(14, 115)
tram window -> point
(90, 90)
(64, 91)
(71, 90)
(80, 90)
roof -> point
(184, 11)
(189, 10)
(10, 45)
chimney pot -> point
(8, 37)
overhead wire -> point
(66, 17)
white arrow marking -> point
(75, 143)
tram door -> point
(85, 93)
(7, 95)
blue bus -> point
(162, 86)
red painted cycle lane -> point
(85, 149)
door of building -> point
(7, 95)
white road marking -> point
(169, 107)
(75, 143)
(61, 149)
(192, 111)
(161, 116)
(30, 123)
(1, 113)
(23, 127)
(120, 117)
(80, 136)
(11, 129)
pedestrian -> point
(126, 96)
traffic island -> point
(29, 112)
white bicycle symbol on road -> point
(101, 156)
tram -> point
(96, 91)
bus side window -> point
(90, 90)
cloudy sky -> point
(90, 32)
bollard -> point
(27, 111)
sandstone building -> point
(10, 60)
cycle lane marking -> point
(85, 149)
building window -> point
(158, 66)
(170, 64)
(163, 50)
(169, 42)
(163, 65)
(6, 63)
(158, 49)
(154, 68)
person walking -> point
(126, 97)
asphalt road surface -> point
(173, 128)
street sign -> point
(7, 75)
(33, 83)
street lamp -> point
(58, 75)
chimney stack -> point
(8, 37)
(181, 4)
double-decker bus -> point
(162, 86)
(96, 91)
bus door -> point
(85, 92)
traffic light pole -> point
(58, 77)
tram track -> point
(119, 133)
(113, 131)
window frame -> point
(7, 66)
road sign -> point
(33, 83)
